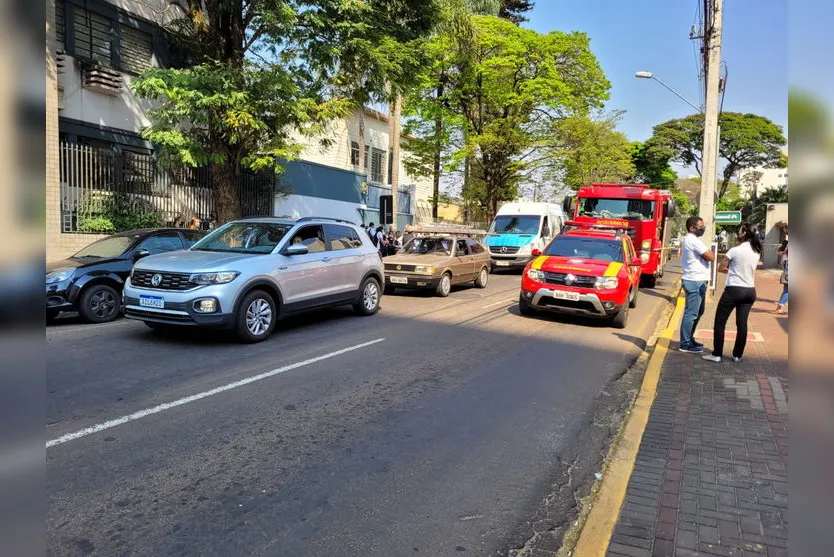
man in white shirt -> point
(695, 260)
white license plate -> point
(570, 296)
(398, 280)
(502, 263)
(152, 302)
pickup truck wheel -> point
(445, 285)
(483, 278)
(621, 318)
(633, 301)
(256, 317)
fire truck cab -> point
(643, 211)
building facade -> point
(770, 178)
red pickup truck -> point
(589, 272)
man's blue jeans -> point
(696, 296)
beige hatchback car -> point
(436, 260)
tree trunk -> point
(225, 182)
(438, 130)
(394, 143)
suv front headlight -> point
(536, 275)
(221, 277)
(606, 283)
(59, 275)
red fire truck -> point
(642, 211)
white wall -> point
(125, 111)
(776, 213)
(298, 206)
(771, 178)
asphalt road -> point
(437, 427)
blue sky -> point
(653, 35)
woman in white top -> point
(740, 263)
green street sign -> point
(728, 217)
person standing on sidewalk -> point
(695, 260)
(739, 292)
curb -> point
(599, 525)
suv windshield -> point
(633, 209)
(428, 246)
(516, 224)
(244, 237)
(586, 248)
(113, 246)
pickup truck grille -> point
(170, 281)
(580, 281)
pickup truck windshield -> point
(632, 209)
(516, 224)
(586, 248)
(243, 237)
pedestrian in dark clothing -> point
(739, 292)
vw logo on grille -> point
(570, 279)
(156, 280)
(399, 267)
(503, 249)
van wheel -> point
(99, 304)
(368, 303)
(483, 278)
(632, 303)
(621, 318)
(445, 285)
(256, 317)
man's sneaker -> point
(697, 345)
(711, 358)
(690, 349)
(736, 360)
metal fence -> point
(105, 191)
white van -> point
(519, 228)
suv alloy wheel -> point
(256, 316)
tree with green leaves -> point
(747, 141)
(515, 10)
(261, 71)
(651, 164)
(590, 150)
(505, 85)
(755, 210)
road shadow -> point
(553, 317)
(658, 292)
(636, 341)
(73, 318)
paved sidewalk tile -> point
(712, 470)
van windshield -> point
(516, 224)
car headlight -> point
(606, 283)
(525, 250)
(535, 274)
(424, 270)
(59, 275)
(213, 278)
(646, 245)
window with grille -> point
(92, 36)
(60, 26)
(136, 49)
(354, 153)
(377, 165)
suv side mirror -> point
(140, 253)
(636, 262)
(536, 252)
(297, 249)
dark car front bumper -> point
(59, 297)
(176, 313)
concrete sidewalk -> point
(710, 476)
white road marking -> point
(498, 303)
(168, 405)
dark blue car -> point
(90, 282)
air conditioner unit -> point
(102, 80)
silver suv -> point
(247, 273)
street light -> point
(650, 75)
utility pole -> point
(710, 151)
(394, 116)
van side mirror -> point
(140, 253)
(297, 249)
(671, 208)
(536, 252)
